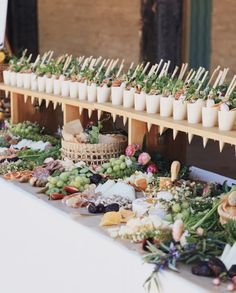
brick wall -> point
(107, 28)
(223, 34)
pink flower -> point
(177, 230)
(130, 150)
(152, 168)
(144, 158)
(137, 147)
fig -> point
(114, 207)
(217, 266)
(95, 178)
(232, 271)
(203, 269)
(96, 209)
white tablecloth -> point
(47, 248)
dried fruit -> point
(70, 189)
(114, 207)
(203, 269)
(56, 196)
(217, 266)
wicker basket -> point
(224, 212)
(93, 154)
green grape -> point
(116, 168)
(109, 170)
(64, 176)
(106, 165)
(169, 218)
(77, 184)
(122, 157)
(118, 162)
(60, 183)
(123, 166)
(176, 208)
(184, 204)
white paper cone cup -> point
(41, 83)
(65, 88)
(92, 93)
(19, 80)
(153, 103)
(209, 116)
(82, 86)
(34, 82)
(12, 78)
(103, 94)
(166, 106)
(73, 89)
(61, 77)
(226, 120)
(128, 98)
(26, 80)
(6, 77)
(117, 95)
(56, 87)
(49, 85)
(194, 111)
(179, 110)
(140, 101)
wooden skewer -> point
(109, 67)
(100, 68)
(114, 64)
(202, 81)
(159, 65)
(145, 68)
(163, 70)
(131, 65)
(217, 79)
(108, 60)
(198, 75)
(152, 70)
(50, 56)
(187, 77)
(136, 69)
(183, 71)
(213, 74)
(231, 86)
(174, 72)
(36, 61)
(167, 68)
(191, 76)
(223, 76)
(121, 66)
(98, 60)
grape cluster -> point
(119, 167)
(75, 178)
(24, 128)
(179, 211)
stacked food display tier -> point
(139, 122)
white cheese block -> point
(102, 188)
(140, 206)
(122, 189)
(166, 195)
